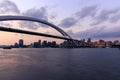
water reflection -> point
(60, 64)
(119, 48)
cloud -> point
(115, 18)
(104, 16)
(114, 34)
(92, 32)
(96, 32)
(96, 16)
(68, 22)
(70, 32)
(8, 7)
(87, 11)
(83, 13)
(36, 13)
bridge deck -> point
(31, 33)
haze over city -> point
(79, 18)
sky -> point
(96, 19)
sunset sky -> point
(96, 19)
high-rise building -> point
(21, 43)
(44, 44)
(53, 44)
(49, 44)
(39, 42)
(89, 40)
(36, 45)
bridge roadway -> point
(32, 33)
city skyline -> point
(83, 43)
(80, 18)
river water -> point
(60, 64)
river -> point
(60, 64)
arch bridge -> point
(7, 18)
